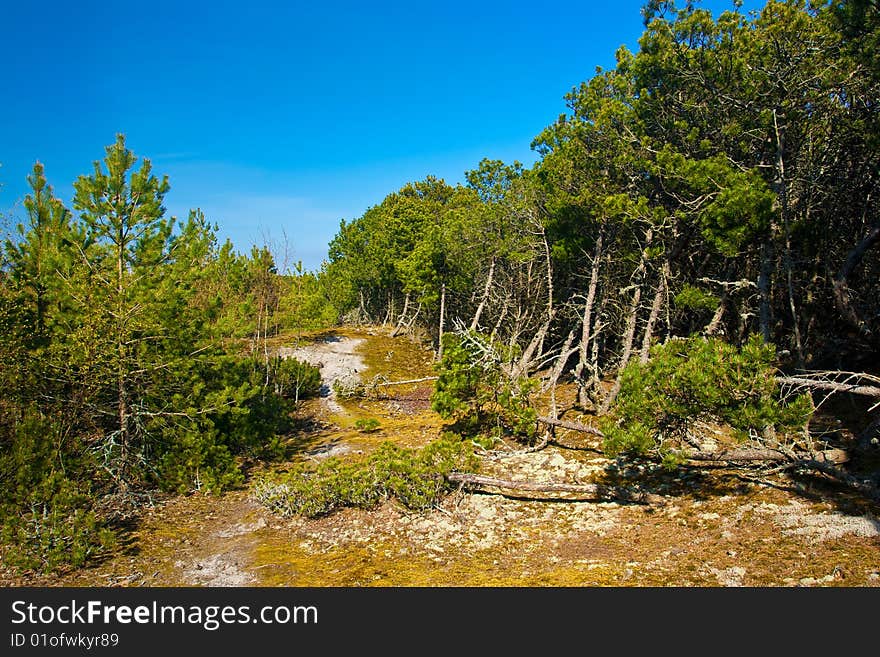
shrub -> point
(295, 379)
(46, 515)
(367, 425)
(699, 379)
(415, 478)
(227, 411)
(473, 390)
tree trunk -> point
(536, 344)
(766, 455)
(592, 491)
(714, 324)
(442, 321)
(781, 189)
(574, 426)
(402, 316)
(832, 386)
(475, 322)
(656, 307)
(121, 366)
(764, 289)
(840, 286)
(631, 322)
(587, 319)
(556, 372)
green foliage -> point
(473, 390)
(47, 519)
(699, 379)
(231, 409)
(416, 478)
(308, 300)
(693, 298)
(367, 424)
(57, 531)
(295, 379)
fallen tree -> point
(599, 492)
(823, 381)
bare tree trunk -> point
(594, 491)
(388, 311)
(556, 372)
(402, 316)
(831, 386)
(363, 310)
(586, 321)
(442, 321)
(501, 316)
(631, 322)
(628, 339)
(841, 288)
(121, 383)
(715, 322)
(475, 322)
(656, 306)
(537, 342)
(764, 289)
(781, 188)
(574, 426)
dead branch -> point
(403, 383)
(829, 469)
(808, 381)
(574, 426)
(767, 455)
(592, 491)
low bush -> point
(414, 477)
(699, 379)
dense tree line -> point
(703, 218)
(721, 180)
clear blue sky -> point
(281, 118)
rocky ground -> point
(712, 528)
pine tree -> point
(123, 213)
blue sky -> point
(278, 119)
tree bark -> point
(781, 189)
(766, 455)
(587, 332)
(401, 383)
(631, 322)
(764, 289)
(475, 322)
(442, 321)
(833, 386)
(840, 285)
(402, 316)
(656, 307)
(574, 426)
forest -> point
(697, 242)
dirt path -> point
(235, 538)
(339, 362)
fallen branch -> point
(833, 386)
(594, 491)
(865, 487)
(402, 383)
(767, 455)
(574, 426)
